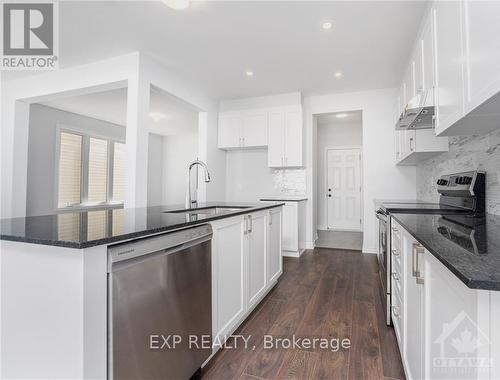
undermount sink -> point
(207, 210)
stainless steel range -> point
(460, 194)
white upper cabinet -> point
(428, 54)
(482, 26)
(254, 128)
(280, 129)
(293, 136)
(243, 129)
(450, 69)
(285, 137)
(413, 146)
(468, 66)
(230, 127)
(276, 139)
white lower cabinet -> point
(246, 263)
(414, 305)
(443, 327)
(274, 256)
(255, 244)
(228, 274)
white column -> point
(137, 140)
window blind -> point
(98, 171)
(70, 169)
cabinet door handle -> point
(411, 144)
(417, 249)
(395, 276)
(395, 252)
(270, 217)
(250, 222)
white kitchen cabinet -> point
(256, 246)
(450, 303)
(418, 145)
(482, 43)
(255, 125)
(274, 257)
(433, 312)
(414, 304)
(428, 54)
(293, 235)
(246, 264)
(285, 137)
(228, 274)
(450, 63)
(230, 127)
(276, 138)
(243, 129)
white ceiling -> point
(352, 117)
(168, 115)
(213, 43)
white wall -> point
(336, 134)
(277, 100)
(250, 177)
(42, 160)
(139, 73)
(155, 170)
(382, 179)
(178, 152)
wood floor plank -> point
(326, 293)
(298, 365)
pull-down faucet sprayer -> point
(189, 201)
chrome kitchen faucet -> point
(189, 201)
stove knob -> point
(458, 180)
(468, 180)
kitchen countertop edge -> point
(133, 235)
(469, 282)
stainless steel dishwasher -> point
(159, 288)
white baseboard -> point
(372, 250)
(293, 253)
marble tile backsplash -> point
(466, 153)
(290, 181)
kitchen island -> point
(54, 279)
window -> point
(91, 170)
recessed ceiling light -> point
(327, 25)
(338, 74)
(340, 115)
(249, 73)
(177, 4)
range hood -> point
(418, 113)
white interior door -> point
(343, 190)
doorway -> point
(339, 180)
(343, 180)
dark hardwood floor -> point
(326, 293)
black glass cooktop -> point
(421, 207)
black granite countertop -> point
(85, 229)
(468, 246)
